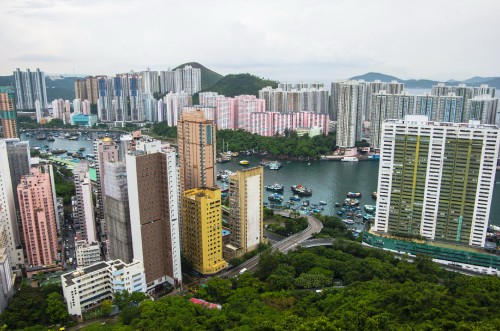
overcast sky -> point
(290, 40)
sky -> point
(286, 40)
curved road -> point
(285, 245)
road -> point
(285, 245)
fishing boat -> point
(374, 195)
(322, 203)
(275, 187)
(41, 136)
(349, 159)
(275, 197)
(244, 162)
(295, 198)
(58, 151)
(305, 203)
(354, 195)
(274, 165)
(50, 138)
(337, 204)
(73, 138)
(301, 190)
(351, 202)
(81, 149)
(348, 222)
(370, 208)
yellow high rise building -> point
(202, 229)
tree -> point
(56, 309)
(106, 307)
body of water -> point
(329, 180)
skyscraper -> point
(154, 214)
(30, 86)
(8, 219)
(350, 105)
(197, 150)
(436, 179)
(117, 212)
(246, 192)
(8, 114)
(105, 150)
(482, 108)
(202, 229)
(83, 210)
(38, 218)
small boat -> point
(322, 203)
(370, 208)
(301, 190)
(81, 149)
(244, 162)
(50, 138)
(41, 137)
(348, 222)
(351, 202)
(275, 197)
(73, 138)
(337, 204)
(58, 151)
(349, 159)
(340, 212)
(354, 195)
(223, 159)
(234, 154)
(274, 165)
(374, 195)
(305, 203)
(295, 198)
(275, 187)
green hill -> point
(208, 77)
(238, 84)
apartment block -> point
(436, 179)
(202, 229)
(83, 207)
(87, 254)
(8, 114)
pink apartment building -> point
(38, 218)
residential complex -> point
(152, 180)
(170, 107)
(350, 96)
(202, 229)
(30, 87)
(436, 179)
(38, 218)
(8, 114)
(85, 288)
(87, 254)
(246, 192)
(291, 100)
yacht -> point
(349, 159)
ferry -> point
(275, 187)
(301, 190)
(354, 195)
(349, 159)
(244, 162)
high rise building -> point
(350, 105)
(105, 150)
(171, 106)
(117, 212)
(202, 229)
(87, 253)
(81, 89)
(197, 150)
(386, 106)
(83, 209)
(436, 179)
(444, 108)
(246, 192)
(154, 214)
(167, 81)
(285, 100)
(8, 219)
(191, 79)
(8, 114)
(30, 86)
(482, 108)
(38, 218)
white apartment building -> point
(86, 288)
(436, 179)
(87, 253)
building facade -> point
(8, 114)
(350, 108)
(30, 87)
(87, 254)
(83, 208)
(436, 179)
(202, 229)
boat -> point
(322, 203)
(73, 138)
(275, 197)
(58, 151)
(295, 198)
(244, 162)
(349, 159)
(234, 154)
(354, 195)
(274, 165)
(348, 222)
(337, 204)
(50, 138)
(275, 187)
(374, 195)
(223, 159)
(370, 208)
(41, 136)
(301, 190)
(81, 149)
(305, 203)
(351, 202)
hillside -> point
(238, 84)
(427, 83)
(208, 77)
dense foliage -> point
(238, 84)
(287, 226)
(65, 187)
(162, 129)
(32, 307)
(333, 228)
(290, 145)
(363, 289)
